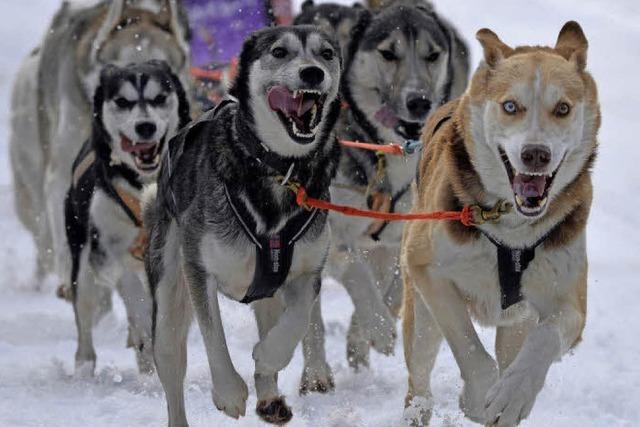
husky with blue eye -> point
(222, 219)
(136, 109)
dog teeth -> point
(298, 133)
(542, 202)
(519, 200)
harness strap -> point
(512, 263)
(274, 252)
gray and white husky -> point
(221, 220)
(136, 110)
(51, 105)
(403, 62)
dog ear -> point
(572, 44)
(306, 5)
(494, 49)
(112, 19)
(240, 89)
(184, 111)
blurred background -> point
(597, 386)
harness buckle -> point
(481, 215)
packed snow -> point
(599, 385)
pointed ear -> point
(494, 49)
(572, 44)
(111, 20)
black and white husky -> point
(136, 109)
(221, 220)
(403, 61)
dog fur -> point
(451, 272)
(137, 104)
(397, 55)
(199, 243)
(51, 103)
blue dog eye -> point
(510, 107)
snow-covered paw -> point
(511, 399)
(382, 333)
(418, 412)
(357, 350)
(274, 411)
(472, 399)
(317, 380)
(230, 395)
(85, 368)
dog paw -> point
(418, 412)
(231, 395)
(472, 399)
(357, 353)
(382, 335)
(85, 369)
(274, 411)
(317, 380)
(511, 399)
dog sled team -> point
(124, 185)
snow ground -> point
(597, 386)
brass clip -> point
(480, 215)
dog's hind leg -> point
(377, 326)
(275, 350)
(84, 305)
(422, 340)
(139, 313)
(229, 391)
(316, 375)
(171, 327)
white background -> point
(599, 385)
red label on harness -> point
(275, 244)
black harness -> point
(512, 263)
(274, 252)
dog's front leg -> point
(229, 391)
(511, 399)
(275, 350)
(84, 305)
(478, 369)
(316, 375)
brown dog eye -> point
(433, 57)
(562, 109)
(388, 55)
(510, 107)
(279, 52)
(327, 54)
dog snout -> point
(418, 105)
(312, 75)
(146, 129)
(535, 156)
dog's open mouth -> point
(146, 155)
(530, 191)
(300, 111)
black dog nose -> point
(418, 105)
(312, 75)
(146, 129)
(535, 156)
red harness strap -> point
(394, 149)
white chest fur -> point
(234, 266)
(473, 268)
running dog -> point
(224, 218)
(135, 109)
(403, 62)
(51, 105)
(523, 135)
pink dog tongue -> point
(130, 147)
(387, 117)
(529, 185)
(280, 98)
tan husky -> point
(525, 134)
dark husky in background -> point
(223, 222)
(136, 109)
(332, 17)
(51, 104)
(402, 62)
